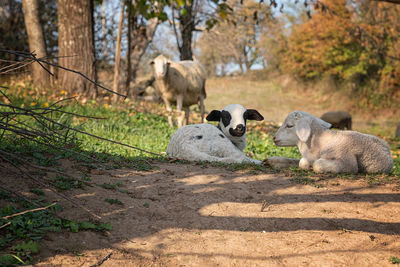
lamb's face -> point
(160, 66)
(295, 128)
(232, 119)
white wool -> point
(333, 151)
(182, 82)
(205, 142)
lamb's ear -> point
(151, 62)
(252, 114)
(323, 123)
(303, 129)
(214, 115)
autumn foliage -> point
(357, 45)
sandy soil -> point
(198, 215)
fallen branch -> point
(5, 225)
(19, 196)
(100, 262)
(52, 190)
(24, 212)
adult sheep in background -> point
(183, 82)
(339, 119)
(205, 142)
(333, 151)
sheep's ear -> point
(214, 115)
(303, 129)
(252, 114)
(151, 62)
(323, 123)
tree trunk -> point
(36, 40)
(76, 46)
(128, 52)
(103, 29)
(118, 53)
(141, 36)
(187, 27)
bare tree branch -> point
(26, 211)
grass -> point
(20, 239)
(394, 260)
(113, 201)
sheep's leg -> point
(169, 110)
(345, 165)
(201, 104)
(187, 111)
(304, 164)
(180, 115)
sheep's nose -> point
(238, 131)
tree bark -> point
(36, 40)
(141, 36)
(103, 29)
(76, 46)
(118, 53)
(186, 27)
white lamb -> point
(333, 151)
(205, 142)
(183, 82)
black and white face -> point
(232, 119)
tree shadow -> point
(201, 198)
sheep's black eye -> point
(289, 126)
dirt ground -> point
(198, 215)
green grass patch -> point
(21, 235)
(112, 186)
(394, 260)
(113, 201)
(65, 183)
(37, 192)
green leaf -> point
(87, 225)
(180, 3)
(394, 260)
(30, 246)
(184, 12)
(163, 16)
(222, 14)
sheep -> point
(333, 151)
(339, 119)
(206, 142)
(232, 122)
(183, 82)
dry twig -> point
(101, 261)
(26, 211)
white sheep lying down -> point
(206, 142)
(333, 151)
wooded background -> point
(354, 43)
